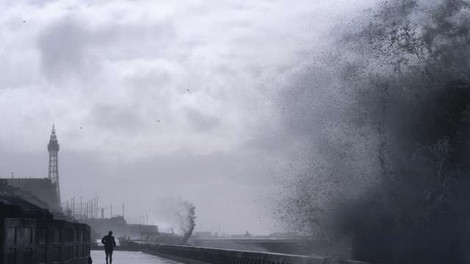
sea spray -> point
(175, 216)
(389, 166)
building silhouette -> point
(47, 189)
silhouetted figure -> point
(109, 244)
(90, 261)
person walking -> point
(109, 244)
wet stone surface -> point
(129, 257)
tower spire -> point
(53, 148)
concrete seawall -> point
(198, 255)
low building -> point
(41, 188)
(32, 234)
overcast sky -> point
(156, 100)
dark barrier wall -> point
(284, 246)
(198, 255)
(32, 241)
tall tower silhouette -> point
(53, 148)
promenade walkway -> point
(129, 257)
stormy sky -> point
(158, 100)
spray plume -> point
(388, 143)
(177, 215)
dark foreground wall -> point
(43, 241)
(197, 255)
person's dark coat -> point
(108, 242)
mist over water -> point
(175, 216)
(381, 128)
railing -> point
(199, 255)
(34, 241)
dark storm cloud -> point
(168, 82)
(71, 46)
(118, 119)
(63, 49)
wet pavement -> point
(129, 257)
